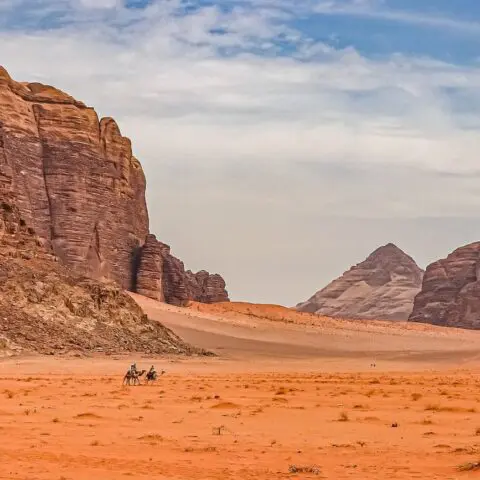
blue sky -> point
(291, 138)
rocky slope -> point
(450, 294)
(383, 287)
(46, 309)
(77, 183)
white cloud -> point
(251, 145)
(100, 3)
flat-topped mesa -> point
(450, 294)
(76, 182)
(382, 287)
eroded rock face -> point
(163, 277)
(77, 184)
(383, 287)
(149, 275)
(207, 288)
(450, 294)
(46, 309)
(75, 178)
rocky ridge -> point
(78, 185)
(450, 294)
(382, 287)
(46, 309)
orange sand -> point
(239, 426)
(279, 394)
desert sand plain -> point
(285, 392)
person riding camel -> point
(152, 374)
(133, 369)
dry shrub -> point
(343, 417)
(152, 437)
(87, 415)
(438, 408)
(469, 467)
(309, 469)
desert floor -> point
(282, 392)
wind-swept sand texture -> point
(284, 394)
(228, 425)
(250, 332)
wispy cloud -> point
(376, 9)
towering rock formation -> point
(76, 182)
(450, 294)
(46, 309)
(382, 287)
(163, 277)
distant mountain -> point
(383, 287)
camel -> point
(129, 376)
(151, 377)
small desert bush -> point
(343, 417)
(310, 469)
(438, 408)
(470, 466)
(218, 430)
(416, 396)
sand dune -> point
(289, 396)
(247, 332)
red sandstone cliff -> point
(76, 182)
(163, 277)
(46, 309)
(450, 294)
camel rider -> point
(152, 372)
(133, 369)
